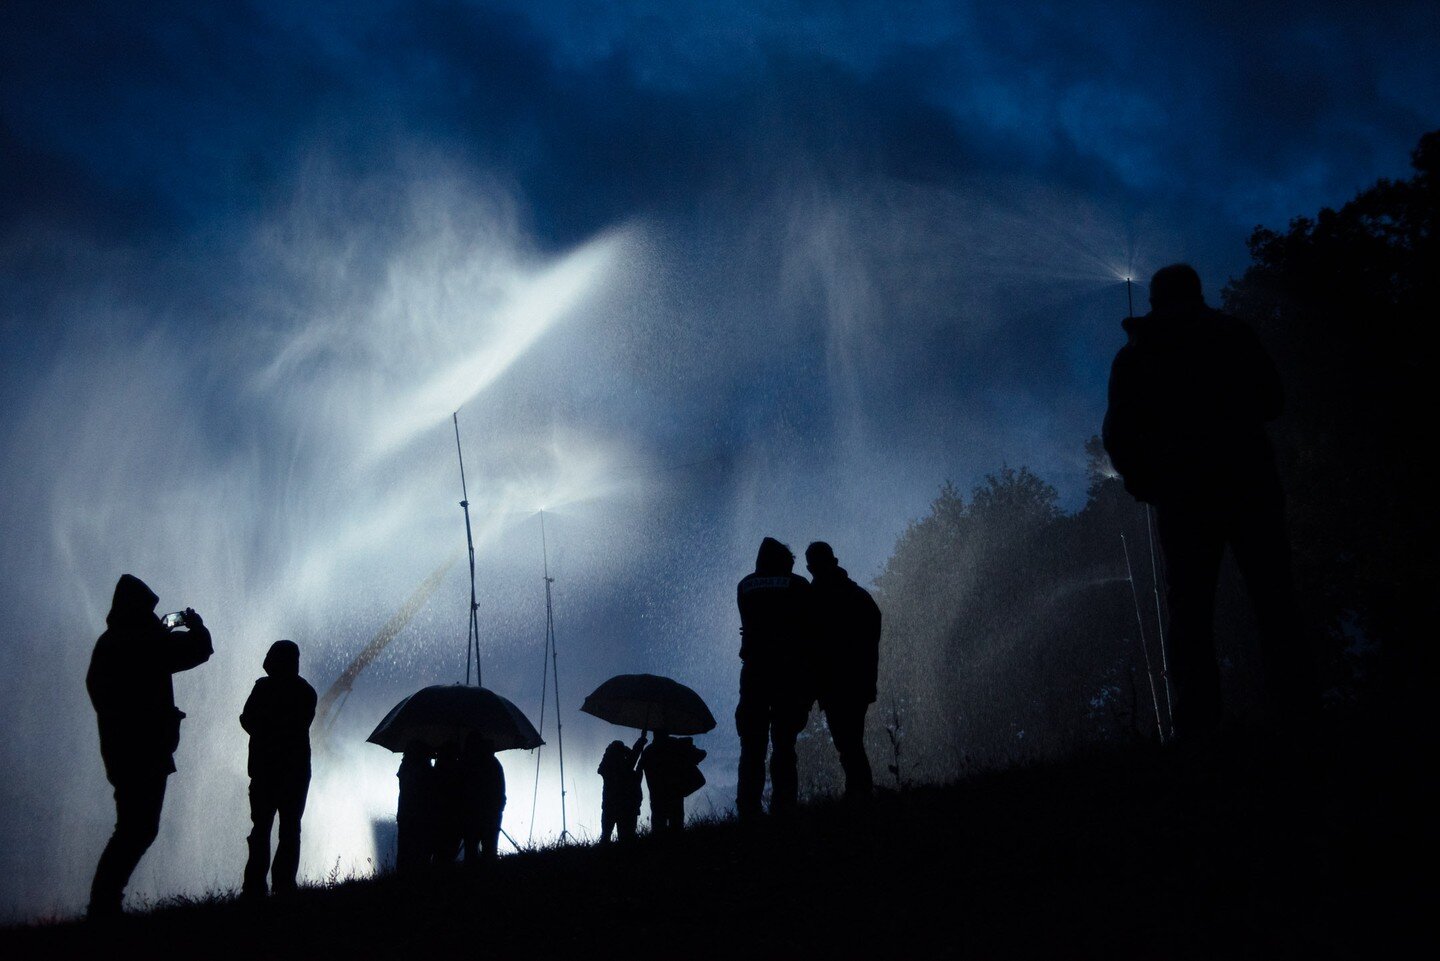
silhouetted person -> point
(1189, 396)
(776, 689)
(449, 805)
(847, 660)
(415, 812)
(277, 717)
(130, 687)
(482, 799)
(620, 796)
(672, 773)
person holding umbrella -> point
(651, 702)
(450, 715)
(620, 797)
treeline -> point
(1011, 628)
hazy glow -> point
(540, 301)
(294, 475)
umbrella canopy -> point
(651, 703)
(450, 712)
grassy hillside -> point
(1240, 850)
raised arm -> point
(188, 648)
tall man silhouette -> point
(776, 689)
(847, 659)
(277, 717)
(1189, 397)
(130, 687)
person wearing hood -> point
(776, 687)
(277, 717)
(847, 661)
(130, 686)
(620, 794)
(1190, 394)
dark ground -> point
(1237, 851)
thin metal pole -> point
(1129, 298)
(554, 674)
(1140, 622)
(1160, 621)
(544, 678)
(472, 639)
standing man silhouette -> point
(129, 685)
(277, 717)
(1189, 398)
(847, 661)
(776, 689)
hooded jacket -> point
(775, 628)
(620, 778)
(847, 641)
(1190, 394)
(277, 717)
(130, 686)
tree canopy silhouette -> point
(1343, 301)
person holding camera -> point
(129, 683)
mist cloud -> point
(690, 277)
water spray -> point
(334, 698)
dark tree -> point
(1344, 301)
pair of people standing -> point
(799, 642)
(131, 688)
(671, 769)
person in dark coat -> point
(129, 682)
(776, 688)
(277, 717)
(620, 795)
(847, 661)
(482, 799)
(1190, 394)
(449, 805)
(415, 810)
(672, 773)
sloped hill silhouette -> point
(1248, 848)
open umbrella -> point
(449, 712)
(651, 703)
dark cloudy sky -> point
(692, 272)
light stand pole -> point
(472, 640)
(550, 666)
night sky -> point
(692, 273)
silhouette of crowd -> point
(1189, 396)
